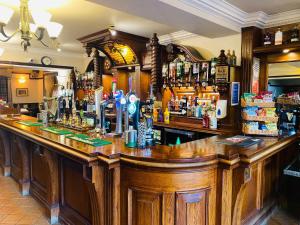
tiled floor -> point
(281, 217)
(18, 209)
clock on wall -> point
(107, 64)
(46, 60)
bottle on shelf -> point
(233, 58)
(222, 59)
(177, 104)
(228, 58)
(295, 35)
(167, 116)
(278, 37)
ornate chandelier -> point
(29, 30)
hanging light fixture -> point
(42, 23)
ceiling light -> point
(58, 49)
(54, 29)
(41, 18)
(6, 14)
(33, 27)
(286, 51)
(28, 10)
(1, 51)
(124, 51)
(22, 80)
(112, 30)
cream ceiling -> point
(267, 6)
(210, 18)
(81, 17)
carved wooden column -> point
(155, 65)
(5, 152)
(243, 178)
(24, 181)
(251, 38)
(53, 188)
(97, 68)
(104, 191)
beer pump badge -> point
(132, 105)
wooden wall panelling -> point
(270, 179)
(5, 153)
(44, 180)
(226, 196)
(278, 58)
(168, 197)
(192, 207)
(242, 176)
(144, 207)
(251, 38)
(75, 207)
(104, 190)
(263, 74)
(20, 163)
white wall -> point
(17, 54)
(210, 47)
(35, 89)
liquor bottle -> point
(214, 62)
(177, 104)
(222, 59)
(167, 116)
(172, 72)
(267, 39)
(189, 106)
(295, 35)
(187, 68)
(278, 37)
(228, 58)
(233, 58)
(172, 103)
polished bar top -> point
(196, 127)
(199, 151)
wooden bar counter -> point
(202, 182)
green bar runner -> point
(56, 130)
(96, 142)
(30, 123)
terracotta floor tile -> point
(18, 209)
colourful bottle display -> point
(167, 116)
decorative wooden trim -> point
(97, 73)
(6, 144)
(226, 204)
(104, 191)
(24, 182)
(251, 37)
(259, 187)
(53, 188)
(156, 69)
(35, 65)
(169, 165)
(238, 205)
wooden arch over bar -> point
(190, 53)
(112, 46)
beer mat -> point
(56, 130)
(240, 141)
(96, 142)
(30, 123)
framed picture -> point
(22, 92)
(222, 74)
